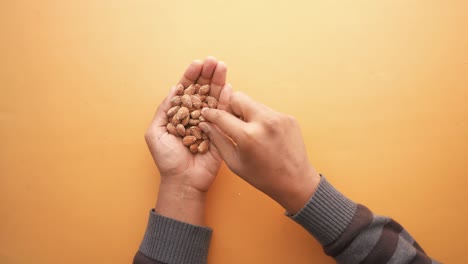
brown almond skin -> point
(194, 148)
(205, 89)
(188, 140)
(196, 132)
(204, 105)
(202, 97)
(204, 146)
(193, 122)
(186, 101)
(196, 101)
(202, 119)
(182, 113)
(180, 89)
(190, 90)
(188, 132)
(212, 102)
(185, 121)
(180, 130)
(195, 114)
(197, 87)
(173, 110)
(175, 120)
(175, 101)
(171, 129)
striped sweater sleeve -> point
(168, 241)
(351, 233)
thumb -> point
(223, 143)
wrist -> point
(181, 201)
(181, 190)
(298, 194)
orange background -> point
(379, 88)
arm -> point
(176, 231)
(265, 148)
(351, 233)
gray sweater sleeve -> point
(173, 242)
(350, 233)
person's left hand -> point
(176, 164)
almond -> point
(173, 110)
(202, 97)
(182, 113)
(205, 89)
(175, 101)
(197, 87)
(196, 132)
(180, 129)
(186, 101)
(175, 121)
(190, 90)
(185, 120)
(171, 129)
(212, 102)
(195, 114)
(194, 148)
(193, 122)
(196, 101)
(188, 140)
(179, 89)
(185, 115)
(204, 146)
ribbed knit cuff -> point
(171, 241)
(327, 214)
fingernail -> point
(204, 127)
(204, 109)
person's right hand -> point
(265, 148)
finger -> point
(192, 73)
(218, 79)
(229, 124)
(223, 102)
(160, 118)
(209, 66)
(244, 106)
(226, 148)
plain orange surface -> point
(379, 88)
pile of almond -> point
(185, 115)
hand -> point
(185, 177)
(265, 148)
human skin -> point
(260, 145)
(265, 148)
(185, 177)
